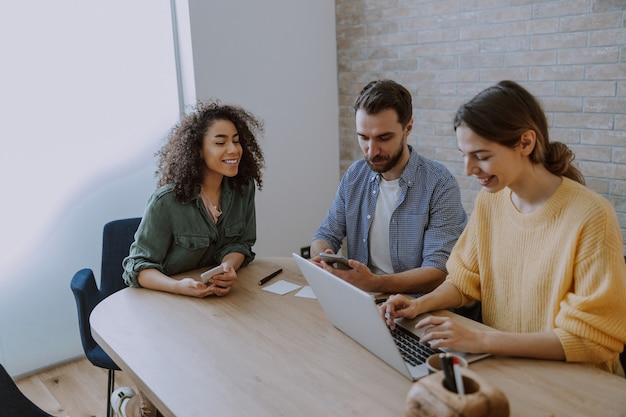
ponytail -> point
(503, 112)
(559, 161)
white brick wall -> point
(570, 53)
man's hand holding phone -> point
(335, 261)
(358, 274)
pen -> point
(270, 276)
(458, 378)
(448, 373)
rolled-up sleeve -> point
(446, 223)
(333, 228)
(152, 241)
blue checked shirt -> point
(423, 228)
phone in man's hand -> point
(334, 260)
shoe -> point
(119, 398)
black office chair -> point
(116, 240)
(13, 402)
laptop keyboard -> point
(410, 348)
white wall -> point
(277, 58)
(88, 93)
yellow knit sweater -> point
(559, 268)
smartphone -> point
(336, 261)
(206, 276)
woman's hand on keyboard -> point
(398, 306)
(443, 332)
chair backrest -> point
(116, 240)
(13, 402)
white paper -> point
(281, 287)
(306, 292)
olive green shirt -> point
(176, 237)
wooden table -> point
(255, 353)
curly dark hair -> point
(180, 161)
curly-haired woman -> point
(201, 215)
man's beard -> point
(392, 161)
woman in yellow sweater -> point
(542, 252)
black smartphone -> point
(336, 261)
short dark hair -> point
(385, 94)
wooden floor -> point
(76, 389)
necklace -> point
(207, 200)
(213, 210)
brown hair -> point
(380, 95)
(503, 112)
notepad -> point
(306, 292)
(281, 287)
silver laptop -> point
(354, 312)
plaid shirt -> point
(423, 228)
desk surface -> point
(259, 353)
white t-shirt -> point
(379, 257)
